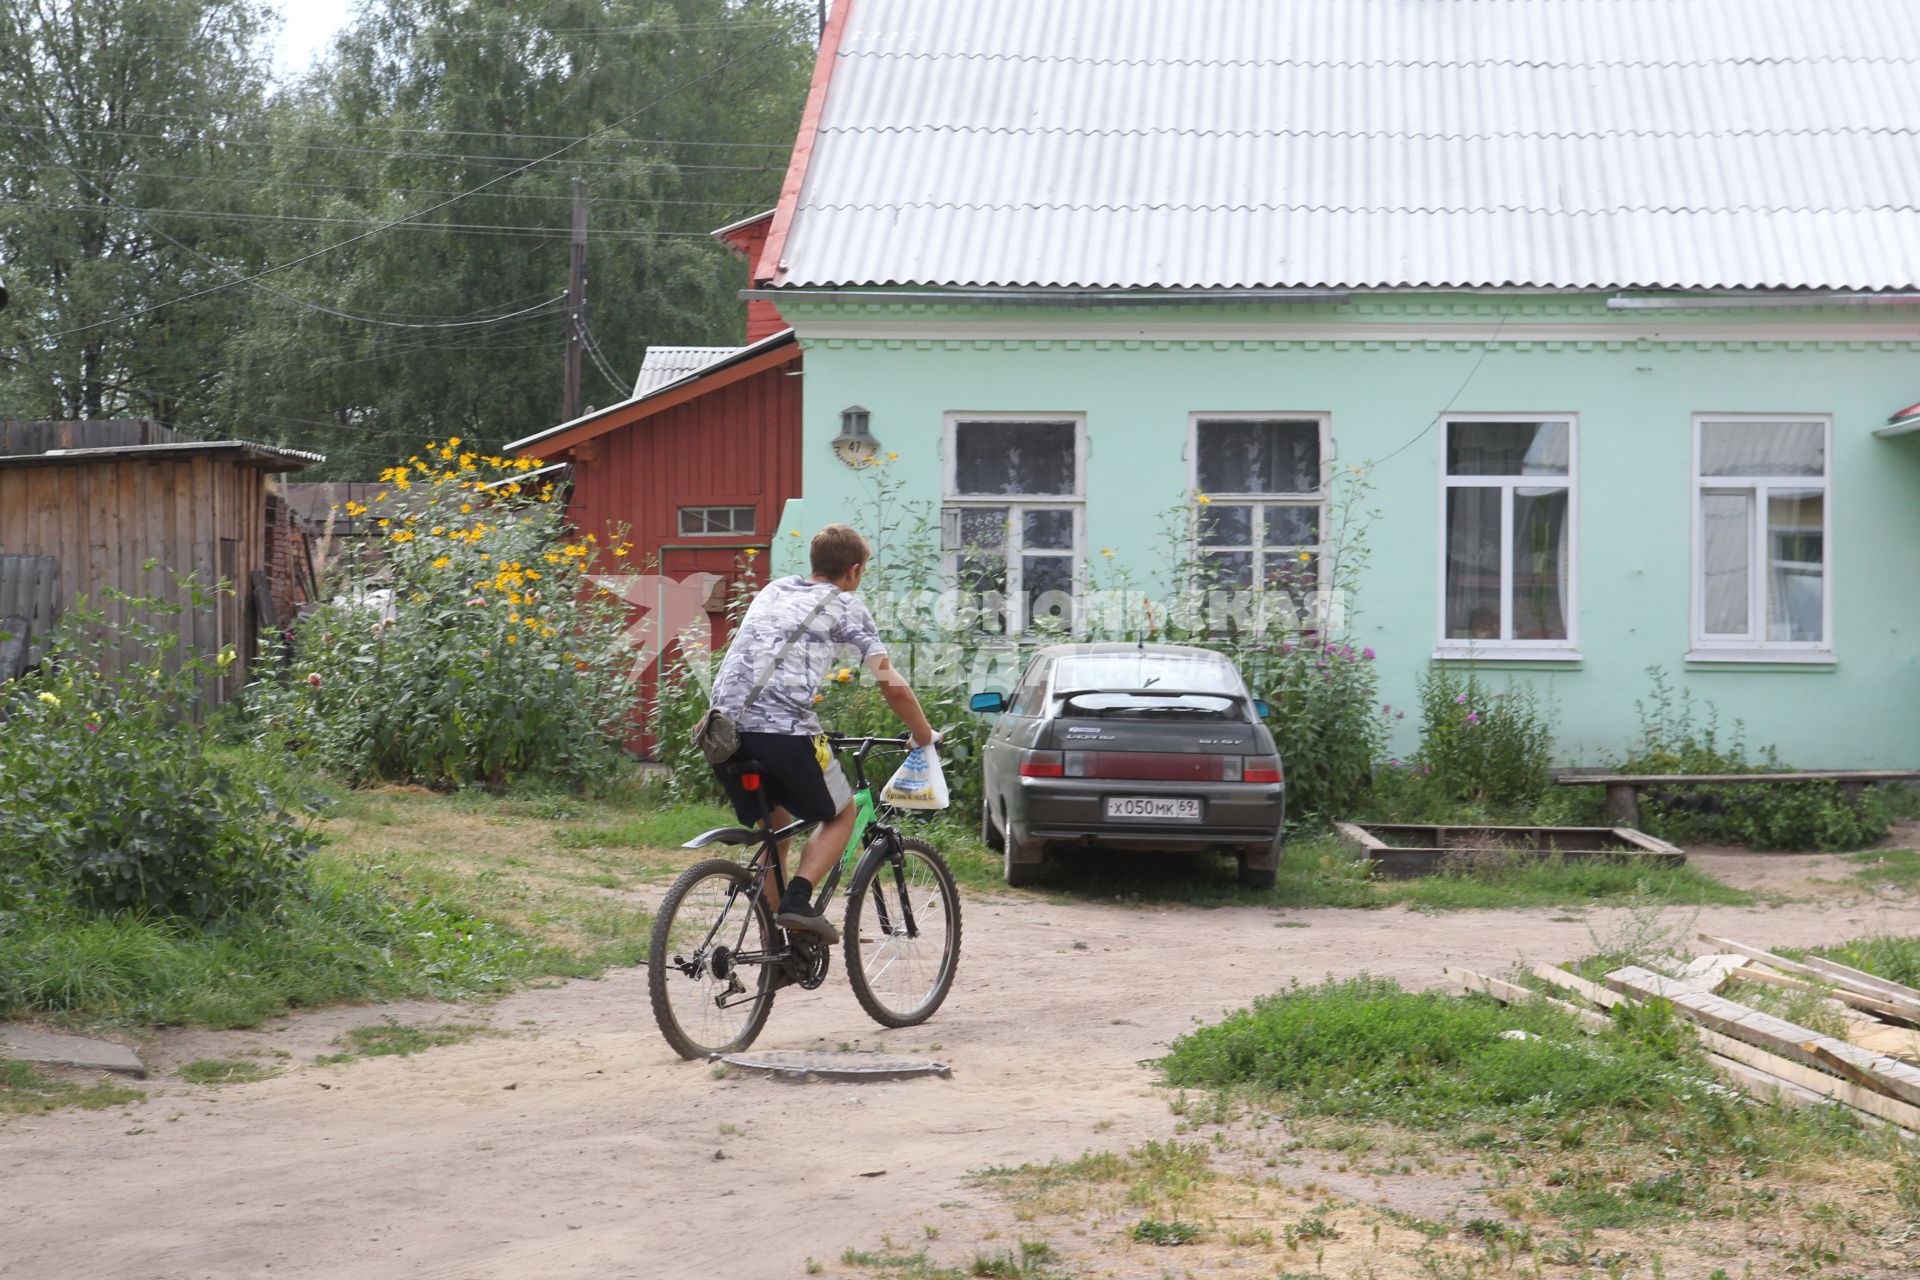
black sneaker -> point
(806, 918)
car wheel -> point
(990, 835)
(1021, 859)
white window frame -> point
(1017, 503)
(680, 516)
(1507, 648)
(1317, 499)
(1754, 646)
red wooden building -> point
(696, 466)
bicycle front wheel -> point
(707, 969)
(903, 935)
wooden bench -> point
(1623, 789)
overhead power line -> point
(408, 218)
(225, 215)
(270, 289)
(772, 163)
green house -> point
(1607, 311)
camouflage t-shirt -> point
(786, 704)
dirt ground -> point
(573, 1143)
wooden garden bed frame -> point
(1428, 845)
(1623, 789)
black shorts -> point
(790, 778)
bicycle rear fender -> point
(724, 835)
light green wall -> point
(1634, 380)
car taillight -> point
(1261, 769)
(1042, 764)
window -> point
(1507, 554)
(711, 522)
(1760, 538)
(1263, 482)
(1011, 525)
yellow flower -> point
(466, 508)
(1202, 499)
(227, 657)
(50, 699)
(513, 639)
(619, 551)
(844, 674)
(893, 457)
(793, 533)
(438, 530)
(819, 698)
(1107, 552)
(383, 522)
(751, 552)
(453, 442)
(1304, 557)
(355, 509)
(334, 507)
(403, 536)
(443, 562)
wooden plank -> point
(1824, 979)
(1884, 1075)
(1867, 1004)
(1861, 980)
(1652, 844)
(1878, 1037)
(1573, 982)
(1768, 1088)
(1827, 1086)
(1512, 993)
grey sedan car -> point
(1145, 746)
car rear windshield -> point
(1144, 705)
(1148, 684)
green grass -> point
(1897, 959)
(1887, 868)
(348, 939)
(398, 1039)
(1033, 1260)
(225, 1071)
(1320, 871)
(1612, 1131)
(1154, 1231)
(25, 1091)
(662, 828)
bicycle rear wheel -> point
(903, 935)
(704, 1000)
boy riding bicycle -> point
(777, 662)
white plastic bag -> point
(919, 782)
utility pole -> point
(576, 304)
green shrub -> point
(1482, 747)
(496, 658)
(1678, 737)
(108, 798)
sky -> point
(310, 27)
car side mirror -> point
(1261, 709)
(987, 704)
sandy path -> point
(575, 1144)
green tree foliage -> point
(419, 101)
(108, 106)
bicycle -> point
(716, 958)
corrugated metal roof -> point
(1581, 144)
(662, 365)
(268, 457)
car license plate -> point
(1153, 808)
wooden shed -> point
(105, 511)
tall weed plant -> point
(1479, 746)
(109, 800)
(1681, 736)
(475, 649)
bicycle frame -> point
(885, 843)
